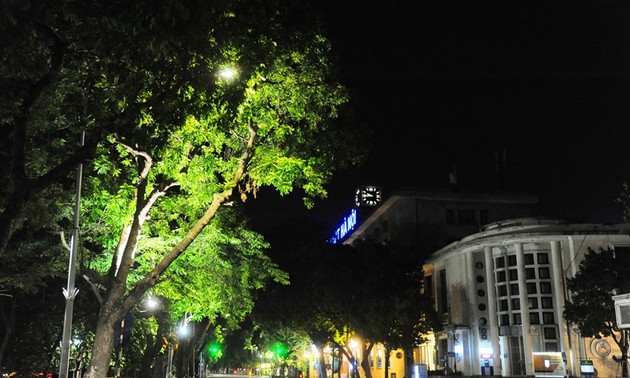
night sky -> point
(450, 84)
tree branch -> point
(151, 278)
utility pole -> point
(71, 292)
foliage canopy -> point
(170, 146)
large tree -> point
(169, 143)
(590, 306)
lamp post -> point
(70, 292)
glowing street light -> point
(227, 73)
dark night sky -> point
(448, 83)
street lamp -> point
(227, 73)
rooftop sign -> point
(348, 224)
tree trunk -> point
(9, 322)
(104, 340)
(154, 345)
(365, 361)
(408, 362)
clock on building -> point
(367, 195)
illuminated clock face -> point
(368, 196)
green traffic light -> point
(279, 349)
(214, 349)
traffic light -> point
(279, 350)
(214, 350)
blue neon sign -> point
(346, 227)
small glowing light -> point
(227, 73)
(459, 349)
(486, 353)
(152, 303)
(183, 330)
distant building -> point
(431, 219)
(499, 277)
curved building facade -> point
(503, 291)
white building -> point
(503, 292)
(498, 275)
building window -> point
(534, 318)
(505, 320)
(545, 287)
(516, 304)
(532, 303)
(501, 276)
(543, 273)
(543, 258)
(512, 260)
(514, 289)
(517, 319)
(546, 302)
(513, 275)
(529, 259)
(550, 333)
(482, 307)
(502, 291)
(443, 292)
(503, 305)
(531, 288)
(500, 262)
(481, 293)
(530, 273)
(428, 285)
(480, 279)
(548, 318)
